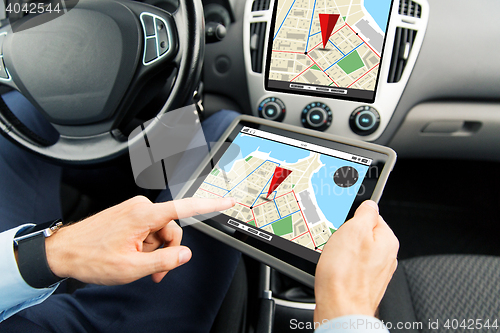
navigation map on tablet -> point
(288, 188)
(330, 48)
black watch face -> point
(346, 176)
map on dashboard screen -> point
(288, 188)
(329, 48)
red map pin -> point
(279, 176)
(327, 23)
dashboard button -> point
(149, 25)
(163, 42)
(365, 120)
(271, 111)
(272, 108)
(317, 116)
(150, 52)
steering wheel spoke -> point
(5, 76)
(160, 42)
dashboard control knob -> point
(317, 116)
(365, 120)
(214, 32)
(272, 108)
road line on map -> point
(216, 186)
(315, 63)
(256, 225)
(275, 204)
(246, 177)
(211, 192)
(298, 236)
(261, 192)
(288, 52)
(310, 24)
(302, 72)
(363, 40)
(261, 203)
(363, 75)
(336, 62)
(336, 46)
(328, 38)
(270, 200)
(283, 195)
(289, 9)
(328, 76)
(282, 219)
(323, 244)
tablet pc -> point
(293, 188)
(327, 49)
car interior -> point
(438, 105)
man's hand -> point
(356, 266)
(122, 244)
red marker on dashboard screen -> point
(327, 23)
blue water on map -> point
(334, 201)
(248, 144)
(379, 10)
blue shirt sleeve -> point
(353, 324)
(15, 293)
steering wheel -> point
(85, 68)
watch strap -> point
(32, 262)
(48, 228)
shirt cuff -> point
(15, 293)
(351, 324)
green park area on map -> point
(351, 63)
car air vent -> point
(403, 43)
(257, 38)
(260, 5)
(410, 8)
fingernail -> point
(231, 200)
(372, 204)
(184, 256)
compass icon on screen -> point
(346, 176)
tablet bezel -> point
(288, 263)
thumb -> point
(163, 259)
(367, 214)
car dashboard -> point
(436, 96)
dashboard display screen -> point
(290, 193)
(327, 48)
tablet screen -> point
(291, 192)
(328, 48)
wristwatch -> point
(31, 256)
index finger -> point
(180, 209)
